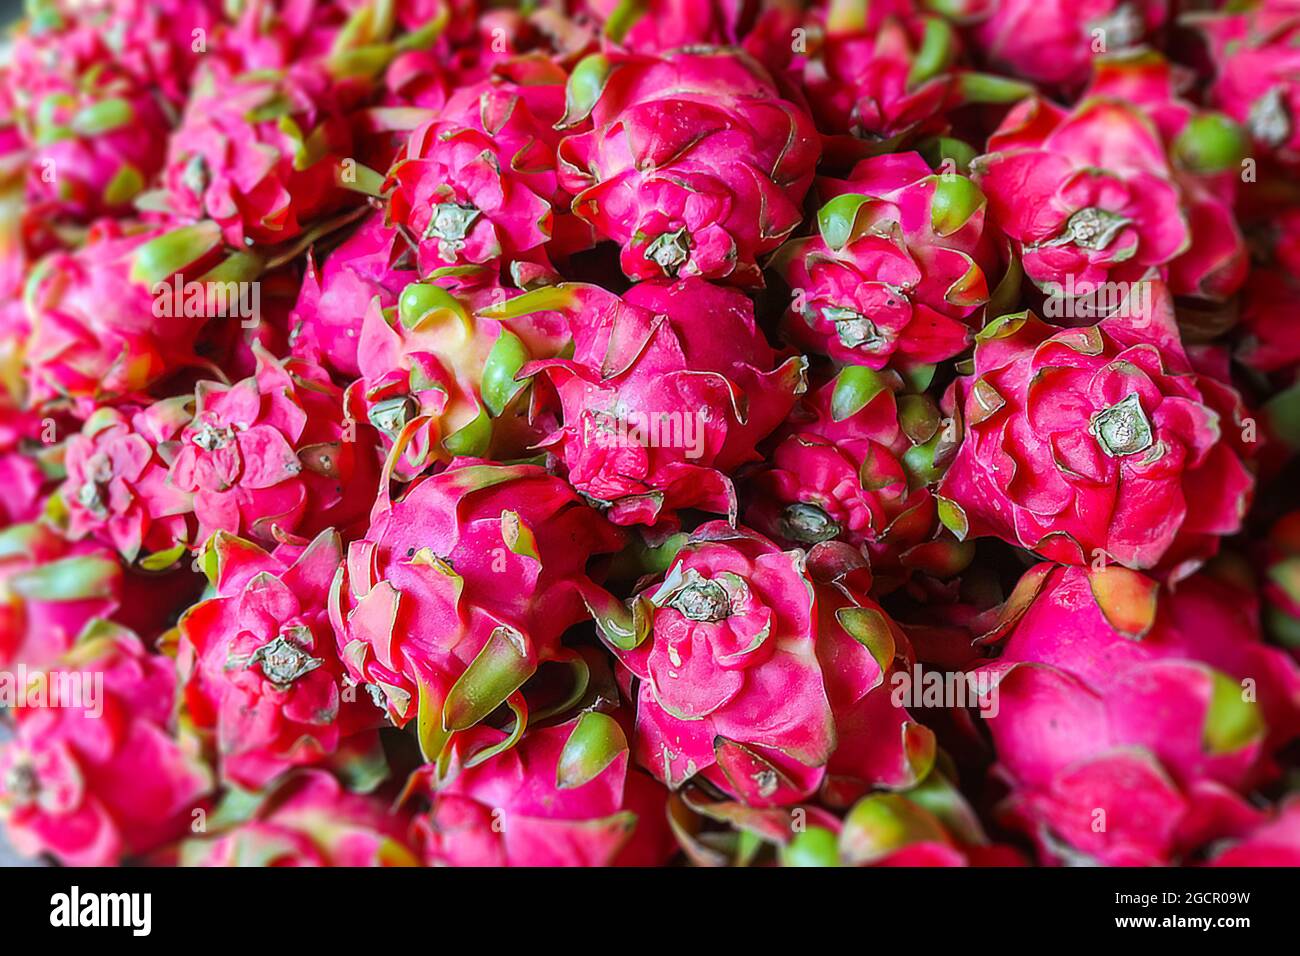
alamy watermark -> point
(1096, 300)
(921, 688)
(75, 690)
(675, 429)
(208, 300)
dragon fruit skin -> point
(259, 154)
(1055, 42)
(96, 336)
(899, 244)
(687, 352)
(694, 164)
(326, 320)
(1097, 442)
(439, 383)
(117, 489)
(50, 589)
(1107, 692)
(1273, 842)
(755, 661)
(1086, 194)
(843, 470)
(308, 819)
(477, 183)
(258, 662)
(564, 796)
(459, 590)
(273, 454)
(89, 788)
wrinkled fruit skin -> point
(897, 271)
(1097, 444)
(259, 664)
(560, 798)
(695, 165)
(680, 357)
(1143, 725)
(425, 591)
(91, 784)
(750, 671)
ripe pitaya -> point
(852, 466)
(1120, 708)
(102, 323)
(101, 777)
(258, 660)
(273, 455)
(1273, 842)
(1097, 444)
(259, 153)
(695, 165)
(437, 383)
(308, 819)
(565, 796)
(1281, 590)
(460, 589)
(897, 271)
(669, 389)
(764, 672)
(117, 489)
(26, 449)
(50, 589)
(326, 321)
(1055, 41)
(477, 183)
(1088, 195)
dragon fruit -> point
(50, 590)
(564, 796)
(273, 455)
(326, 321)
(308, 819)
(694, 165)
(100, 776)
(1281, 591)
(1115, 696)
(897, 270)
(26, 447)
(1055, 42)
(1273, 842)
(1097, 444)
(258, 662)
(668, 390)
(851, 466)
(1088, 195)
(98, 331)
(460, 589)
(764, 672)
(259, 153)
(117, 490)
(477, 183)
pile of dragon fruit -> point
(651, 432)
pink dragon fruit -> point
(1088, 195)
(1097, 444)
(50, 590)
(308, 819)
(477, 183)
(1254, 51)
(851, 466)
(1152, 707)
(660, 26)
(26, 453)
(695, 165)
(764, 672)
(258, 662)
(460, 589)
(1055, 42)
(117, 490)
(897, 270)
(273, 455)
(564, 796)
(100, 776)
(1281, 587)
(1206, 150)
(1273, 842)
(669, 389)
(326, 321)
(99, 332)
(259, 153)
